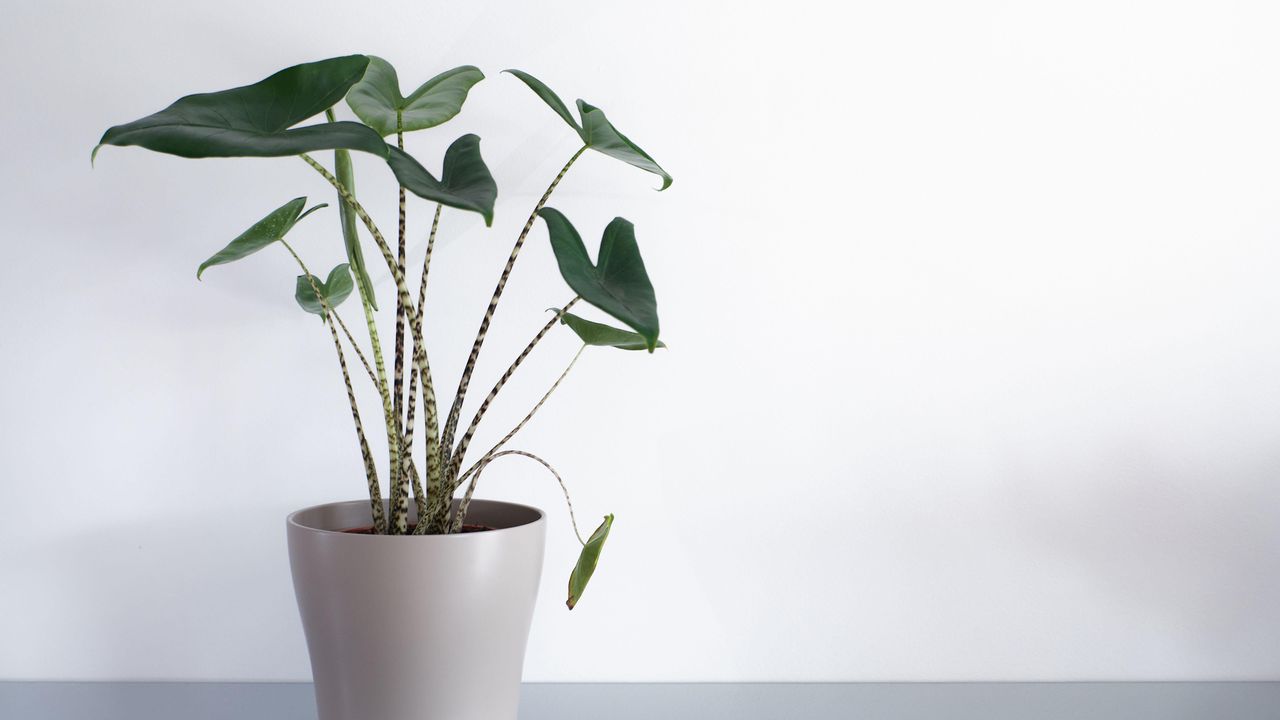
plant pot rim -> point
(536, 516)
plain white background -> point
(972, 313)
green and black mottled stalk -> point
(419, 497)
(342, 164)
(420, 364)
(370, 468)
(460, 396)
(460, 517)
(493, 451)
(399, 474)
(456, 458)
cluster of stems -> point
(434, 510)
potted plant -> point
(416, 605)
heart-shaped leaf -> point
(334, 289)
(587, 561)
(254, 120)
(595, 130)
(376, 99)
(618, 284)
(464, 183)
(264, 232)
(601, 335)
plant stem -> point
(420, 364)
(461, 515)
(455, 459)
(388, 414)
(418, 496)
(493, 451)
(370, 468)
(399, 475)
(355, 346)
(351, 239)
(456, 408)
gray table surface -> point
(712, 701)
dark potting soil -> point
(368, 529)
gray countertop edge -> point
(1172, 700)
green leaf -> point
(587, 561)
(264, 232)
(601, 335)
(465, 182)
(595, 130)
(619, 284)
(254, 120)
(335, 289)
(376, 99)
(600, 134)
(548, 96)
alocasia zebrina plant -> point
(266, 119)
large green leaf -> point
(587, 561)
(334, 289)
(601, 335)
(464, 183)
(618, 284)
(595, 130)
(255, 120)
(264, 232)
(376, 99)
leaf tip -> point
(93, 156)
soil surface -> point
(368, 529)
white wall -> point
(972, 309)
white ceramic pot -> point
(429, 627)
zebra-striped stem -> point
(370, 468)
(461, 516)
(455, 459)
(388, 414)
(355, 346)
(420, 363)
(400, 477)
(451, 425)
(418, 496)
(493, 451)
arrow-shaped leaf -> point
(254, 120)
(335, 289)
(376, 99)
(261, 234)
(618, 284)
(601, 335)
(600, 135)
(595, 130)
(587, 561)
(465, 182)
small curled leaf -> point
(587, 561)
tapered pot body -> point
(428, 627)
